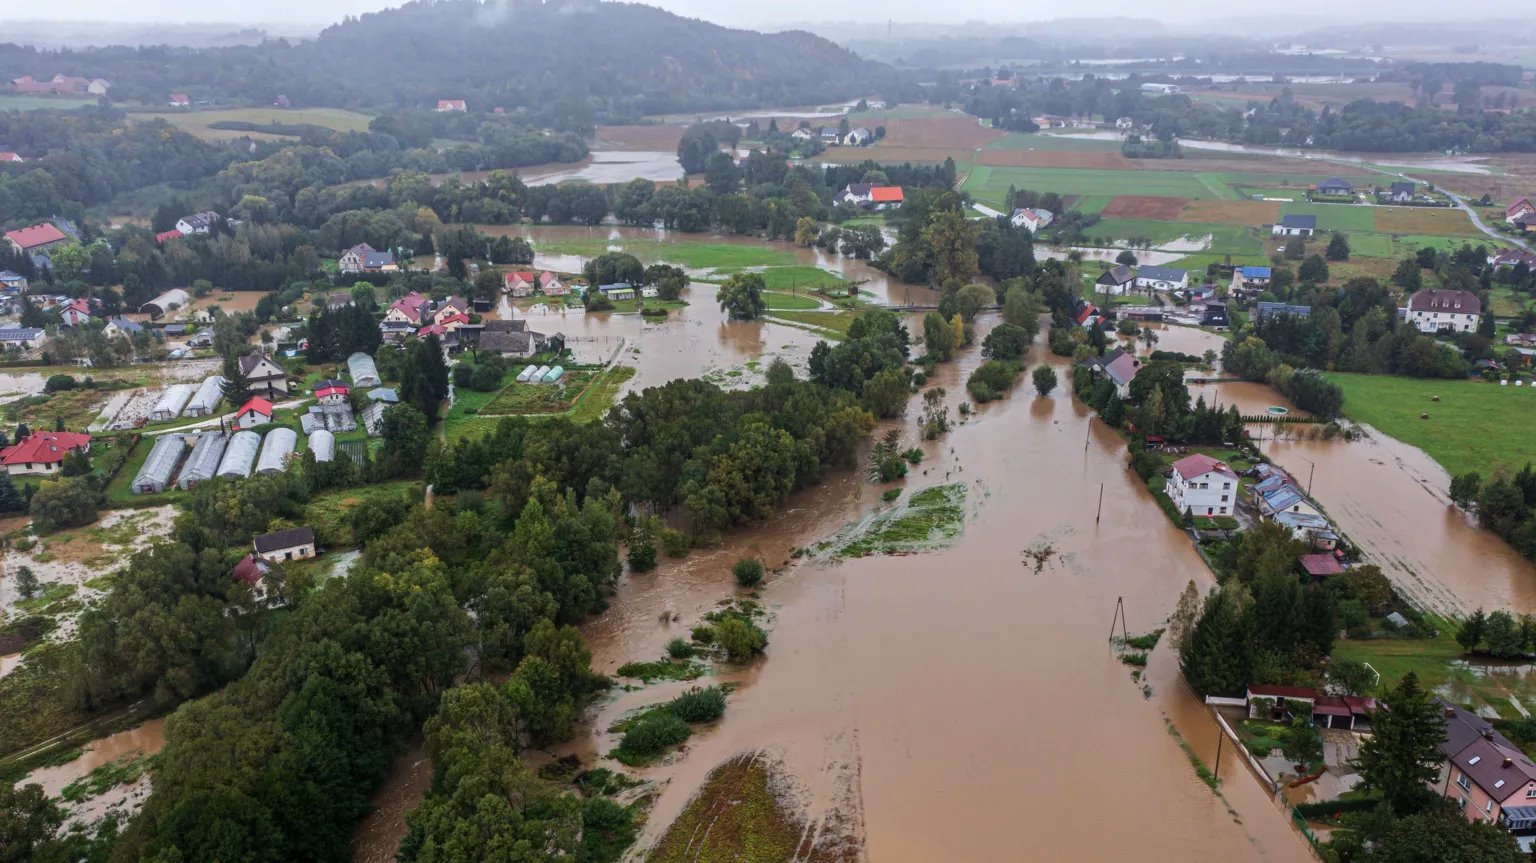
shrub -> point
(674, 543)
(742, 640)
(890, 494)
(703, 634)
(58, 383)
(748, 572)
(679, 649)
(913, 455)
(642, 553)
(654, 733)
(699, 704)
(991, 379)
(919, 378)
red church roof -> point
(44, 448)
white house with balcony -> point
(1202, 486)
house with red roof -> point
(332, 392)
(42, 452)
(8, 156)
(870, 196)
(37, 238)
(180, 100)
(409, 309)
(551, 285)
(75, 313)
(454, 306)
(446, 105)
(1517, 209)
(257, 411)
(166, 236)
(1320, 566)
(1202, 486)
(520, 283)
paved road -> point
(1460, 202)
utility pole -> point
(1119, 618)
(1221, 737)
(1100, 514)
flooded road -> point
(146, 739)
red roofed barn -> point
(38, 238)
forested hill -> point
(622, 59)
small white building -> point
(1294, 225)
(858, 137)
(295, 543)
(197, 223)
(1203, 486)
(1434, 309)
(1162, 279)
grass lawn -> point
(1506, 302)
(1091, 204)
(1441, 667)
(690, 254)
(801, 277)
(1362, 245)
(590, 402)
(1474, 426)
(328, 510)
(1336, 217)
(1224, 239)
(737, 815)
(12, 102)
(197, 122)
(119, 491)
(78, 408)
(1054, 143)
(989, 184)
(780, 302)
(837, 322)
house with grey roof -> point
(1162, 279)
(1295, 225)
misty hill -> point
(563, 57)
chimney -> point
(1509, 762)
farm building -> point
(553, 375)
(538, 374)
(155, 475)
(280, 444)
(158, 306)
(204, 461)
(323, 444)
(335, 418)
(364, 373)
(525, 374)
(171, 402)
(209, 393)
(240, 455)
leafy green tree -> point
(1402, 755)
(613, 267)
(1338, 247)
(28, 822)
(741, 297)
(972, 298)
(1314, 269)
(1127, 257)
(63, 503)
(404, 431)
(938, 337)
(26, 582)
(886, 393)
(1044, 379)
(951, 239)
(1444, 835)
(1220, 654)
(1503, 635)
(1353, 676)
(1006, 342)
(1408, 275)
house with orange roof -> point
(36, 238)
(257, 411)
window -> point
(1498, 785)
(1530, 793)
(1488, 807)
(1472, 762)
(1462, 782)
(1226, 486)
(1224, 499)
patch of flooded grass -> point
(738, 815)
(929, 520)
(1201, 770)
(106, 777)
(663, 669)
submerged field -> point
(1473, 427)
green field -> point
(1336, 217)
(790, 302)
(1225, 239)
(990, 184)
(197, 122)
(1090, 204)
(1363, 245)
(596, 395)
(1473, 427)
(1054, 143)
(12, 102)
(691, 255)
(799, 278)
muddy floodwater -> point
(146, 739)
(958, 705)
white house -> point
(1433, 310)
(1125, 124)
(1161, 89)
(802, 134)
(42, 452)
(257, 411)
(197, 223)
(1522, 207)
(1295, 226)
(451, 105)
(1034, 219)
(295, 543)
(1162, 279)
(1202, 485)
(858, 137)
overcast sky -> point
(762, 14)
(755, 13)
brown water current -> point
(960, 705)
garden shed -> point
(280, 444)
(209, 393)
(155, 475)
(240, 454)
(171, 402)
(203, 464)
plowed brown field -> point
(1231, 212)
(1144, 207)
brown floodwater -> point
(145, 739)
(959, 705)
(875, 285)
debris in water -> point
(1039, 554)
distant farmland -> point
(198, 122)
